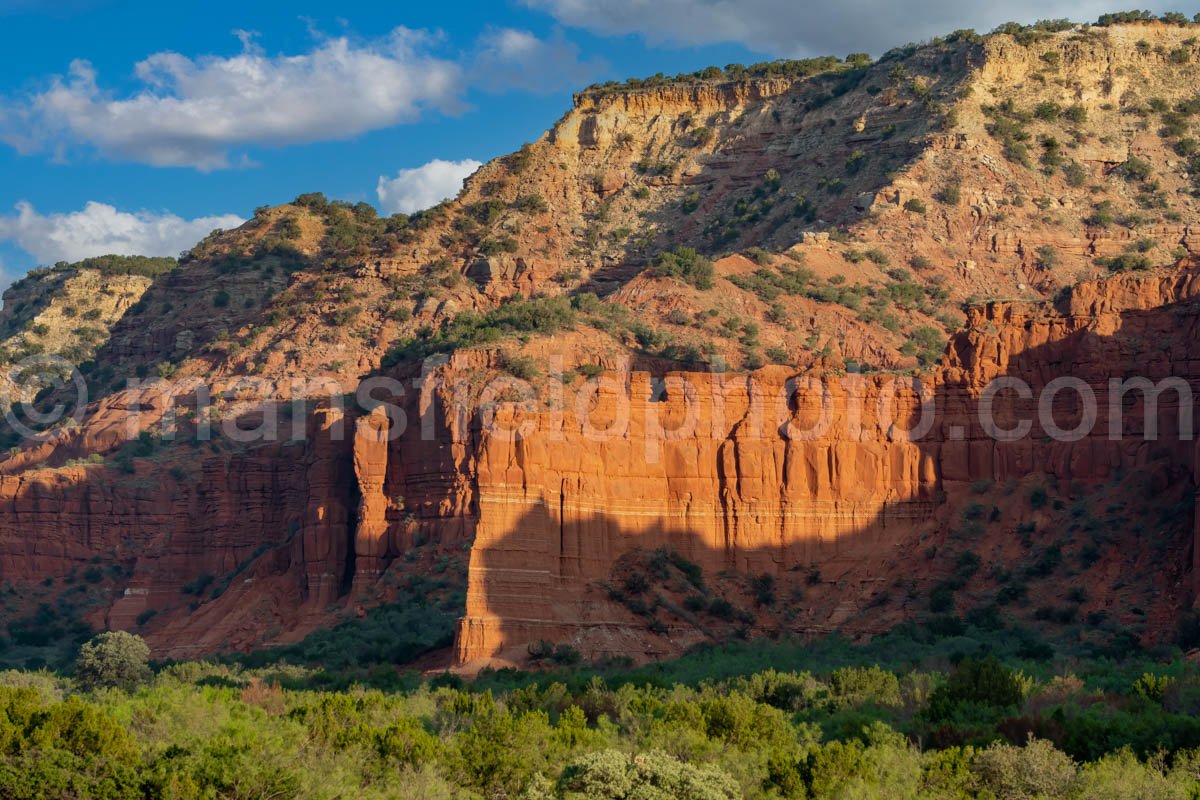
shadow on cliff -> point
(1090, 539)
(787, 164)
(1012, 527)
(182, 313)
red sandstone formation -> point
(714, 475)
(730, 493)
(741, 477)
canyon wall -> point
(850, 215)
(768, 473)
(738, 478)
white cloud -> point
(200, 111)
(193, 112)
(100, 229)
(516, 59)
(798, 28)
(424, 186)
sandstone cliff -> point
(850, 214)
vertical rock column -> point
(324, 536)
(370, 470)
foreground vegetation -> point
(714, 724)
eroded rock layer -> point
(741, 491)
(739, 474)
(829, 219)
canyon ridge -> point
(649, 382)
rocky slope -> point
(65, 312)
(849, 211)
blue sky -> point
(137, 126)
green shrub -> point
(113, 659)
(315, 201)
(1187, 630)
(759, 256)
(565, 655)
(1037, 770)
(685, 264)
(1048, 561)
(1126, 262)
(521, 366)
(1047, 256)
(545, 315)
(1038, 497)
(1017, 152)
(1048, 110)
(926, 344)
(493, 247)
(590, 371)
(1076, 114)
(1102, 214)
(966, 565)
(1075, 174)
(1124, 17)
(530, 204)
(613, 775)
(65, 749)
(877, 256)
(778, 355)
(699, 137)
(1152, 688)
(419, 619)
(150, 267)
(763, 588)
(941, 597)
(983, 682)
(1136, 169)
(865, 685)
(949, 194)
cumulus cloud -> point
(516, 59)
(100, 229)
(796, 28)
(424, 186)
(193, 112)
(199, 111)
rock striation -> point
(639, 502)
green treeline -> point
(974, 728)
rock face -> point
(730, 492)
(737, 474)
(286, 505)
(643, 503)
(716, 483)
(64, 312)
